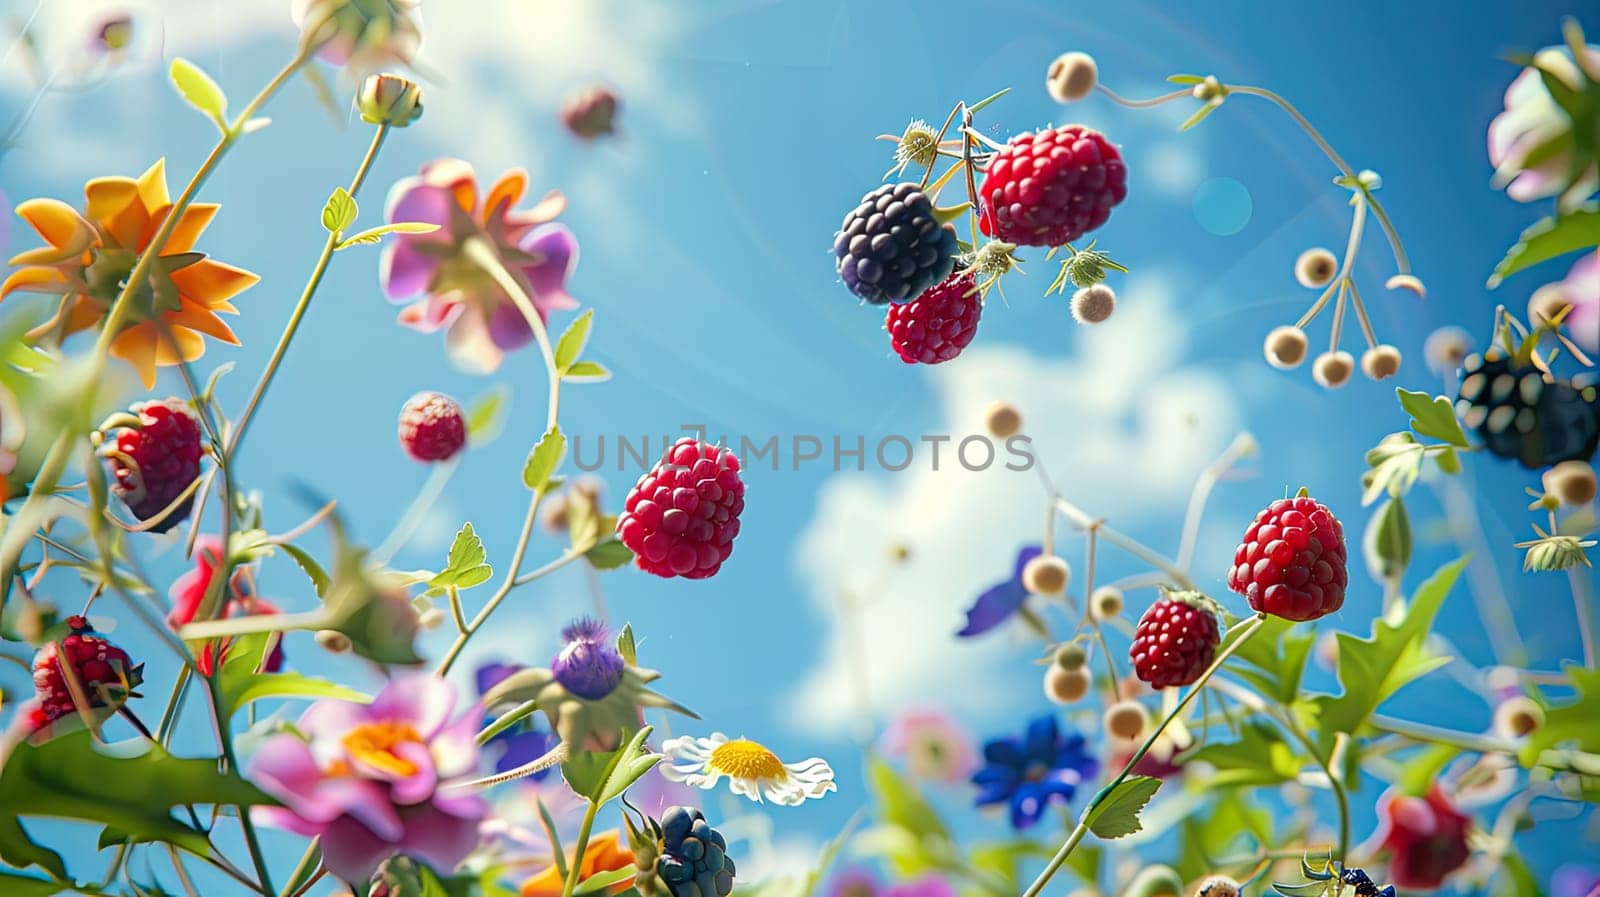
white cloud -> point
(1122, 426)
(1169, 167)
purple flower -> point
(588, 665)
(996, 605)
(1572, 880)
(1531, 142)
(1028, 772)
(862, 883)
(480, 320)
(521, 744)
(374, 780)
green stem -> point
(1335, 782)
(1249, 629)
(225, 740)
(1467, 741)
(578, 850)
(295, 317)
(1131, 546)
(303, 871)
(438, 478)
(1583, 605)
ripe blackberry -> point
(432, 427)
(892, 247)
(1176, 640)
(937, 325)
(1051, 187)
(681, 518)
(692, 859)
(156, 461)
(102, 673)
(1364, 885)
(1518, 415)
(1292, 561)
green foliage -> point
(1422, 768)
(912, 837)
(486, 416)
(602, 776)
(608, 554)
(340, 211)
(133, 793)
(1373, 668)
(1386, 543)
(240, 681)
(1208, 836)
(466, 564)
(1395, 466)
(1515, 879)
(544, 459)
(1432, 416)
(313, 570)
(1118, 814)
(1569, 725)
(198, 90)
(28, 886)
(374, 235)
(587, 372)
(573, 340)
(1274, 659)
(1260, 756)
(1549, 238)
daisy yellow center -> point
(374, 744)
(746, 760)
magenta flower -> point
(481, 322)
(1581, 289)
(933, 746)
(1531, 142)
(375, 780)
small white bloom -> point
(751, 769)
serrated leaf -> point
(340, 211)
(241, 680)
(1432, 416)
(486, 415)
(198, 90)
(1571, 724)
(313, 570)
(1548, 238)
(608, 554)
(465, 565)
(1274, 659)
(1394, 475)
(1258, 757)
(1118, 814)
(374, 235)
(587, 371)
(603, 776)
(573, 339)
(544, 459)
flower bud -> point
(1517, 717)
(1315, 267)
(1071, 656)
(430, 619)
(1210, 90)
(1285, 347)
(1003, 420)
(1407, 282)
(590, 112)
(333, 641)
(1380, 361)
(389, 100)
(1332, 369)
(1092, 305)
(1106, 603)
(1046, 575)
(1127, 720)
(1572, 482)
(555, 518)
(361, 35)
(1071, 77)
(1066, 686)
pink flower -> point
(933, 746)
(1533, 127)
(1581, 289)
(362, 35)
(482, 322)
(375, 780)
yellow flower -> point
(90, 256)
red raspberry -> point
(1051, 187)
(100, 669)
(1176, 640)
(1291, 563)
(154, 462)
(680, 519)
(938, 324)
(432, 427)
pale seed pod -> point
(1106, 603)
(1380, 361)
(1093, 304)
(1071, 77)
(1285, 347)
(1071, 656)
(1332, 369)
(1127, 720)
(1571, 482)
(1407, 282)
(430, 619)
(1065, 686)
(333, 641)
(1446, 348)
(1046, 575)
(1003, 419)
(1517, 717)
(1315, 268)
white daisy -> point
(751, 769)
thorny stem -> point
(1249, 628)
(318, 270)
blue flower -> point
(521, 744)
(589, 665)
(1028, 772)
(996, 605)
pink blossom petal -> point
(352, 851)
(285, 768)
(455, 748)
(508, 326)
(423, 701)
(469, 345)
(442, 840)
(418, 786)
(282, 818)
(558, 250)
(430, 314)
(403, 270)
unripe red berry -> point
(432, 427)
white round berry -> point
(1380, 361)
(1285, 347)
(1046, 575)
(1445, 349)
(1093, 304)
(1106, 603)
(1127, 720)
(1066, 686)
(1517, 716)
(1315, 267)
(1333, 369)
(1571, 482)
(1071, 77)
(1003, 419)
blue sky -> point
(746, 134)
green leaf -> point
(241, 681)
(19, 850)
(486, 415)
(626, 646)
(1513, 878)
(466, 565)
(1259, 757)
(319, 576)
(1393, 475)
(1373, 668)
(1004, 858)
(1548, 238)
(198, 90)
(1386, 542)
(572, 341)
(587, 372)
(1118, 814)
(1432, 416)
(340, 211)
(28, 886)
(1186, 79)
(900, 803)
(1199, 115)
(1206, 836)
(544, 459)
(1572, 724)
(68, 778)
(602, 880)
(1274, 659)
(602, 776)
(608, 554)
(1422, 768)
(374, 235)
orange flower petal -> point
(59, 224)
(209, 282)
(176, 341)
(114, 204)
(194, 221)
(83, 314)
(137, 346)
(199, 318)
(38, 279)
(544, 210)
(505, 192)
(153, 186)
